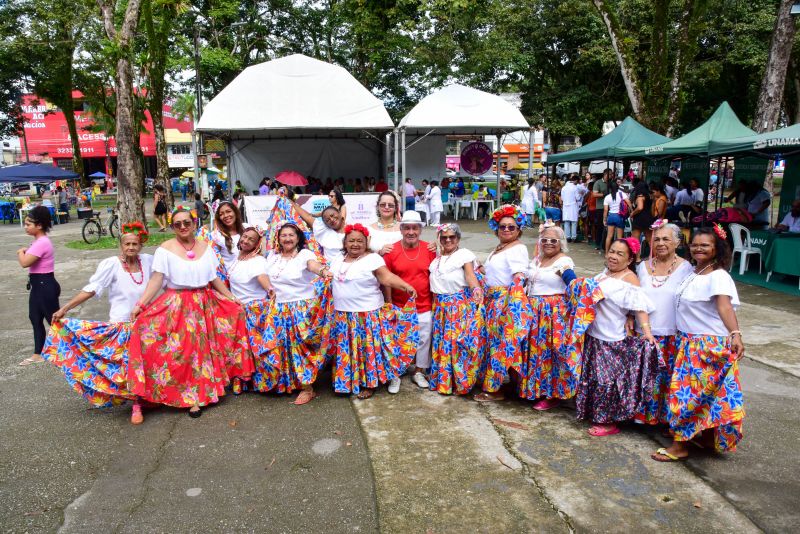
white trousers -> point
(435, 216)
(425, 333)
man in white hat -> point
(410, 259)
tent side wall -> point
(251, 160)
(425, 160)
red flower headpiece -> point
(719, 231)
(356, 228)
(136, 228)
(507, 210)
(633, 244)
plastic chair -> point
(743, 247)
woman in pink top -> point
(39, 259)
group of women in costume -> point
(656, 344)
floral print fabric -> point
(457, 345)
(705, 392)
(508, 319)
(93, 356)
(654, 408)
(372, 347)
(186, 347)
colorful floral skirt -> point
(547, 370)
(705, 391)
(457, 343)
(186, 347)
(370, 348)
(508, 318)
(617, 375)
(93, 357)
(654, 409)
(299, 330)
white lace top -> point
(547, 280)
(380, 238)
(243, 276)
(123, 292)
(619, 298)
(662, 319)
(695, 303)
(447, 272)
(355, 288)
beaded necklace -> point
(141, 271)
(658, 281)
(382, 226)
(443, 259)
(189, 251)
(342, 274)
(285, 263)
(687, 281)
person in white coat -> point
(570, 205)
(530, 200)
(433, 200)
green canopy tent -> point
(628, 133)
(778, 144)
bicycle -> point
(94, 227)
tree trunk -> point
(129, 170)
(162, 166)
(774, 80)
(685, 41)
(629, 77)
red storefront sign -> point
(47, 133)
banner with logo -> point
(360, 207)
(750, 170)
(790, 190)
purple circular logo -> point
(476, 158)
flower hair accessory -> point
(633, 244)
(178, 209)
(357, 227)
(507, 210)
(136, 228)
(658, 223)
(546, 224)
(719, 231)
(446, 227)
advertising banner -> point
(360, 207)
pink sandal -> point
(600, 431)
(546, 404)
(136, 415)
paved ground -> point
(415, 462)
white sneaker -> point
(394, 386)
(420, 380)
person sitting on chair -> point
(791, 222)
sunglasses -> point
(182, 224)
(548, 240)
(507, 227)
(386, 205)
(448, 238)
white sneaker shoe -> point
(394, 386)
(420, 380)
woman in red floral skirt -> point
(192, 340)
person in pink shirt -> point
(39, 259)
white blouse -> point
(219, 240)
(329, 239)
(662, 319)
(290, 277)
(502, 266)
(447, 272)
(355, 288)
(380, 238)
(619, 298)
(243, 276)
(696, 307)
(185, 274)
(123, 292)
(547, 280)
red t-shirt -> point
(381, 186)
(413, 266)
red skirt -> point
(186, 347)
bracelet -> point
(645, 324)
(735, 333)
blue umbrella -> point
(34, 172)
(97, 174)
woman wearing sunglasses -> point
(190, 342)
(508, 312)
(385, 232)
(549, 373)
(457, 316)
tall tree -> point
(774, 80)
(130, 178)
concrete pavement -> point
(415, 462)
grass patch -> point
(108, 242)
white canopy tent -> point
(298, 113)
(456, 109)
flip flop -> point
(484, 396)
(30, 360)
(599, 431)
(312, 396)
(366, 394)
(670, 457)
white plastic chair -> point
(743, 247)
